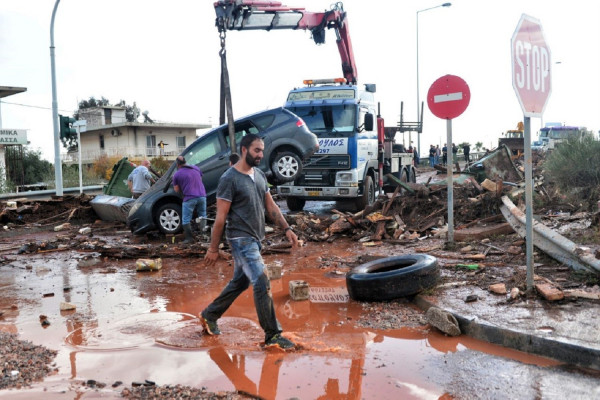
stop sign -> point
(531, 66)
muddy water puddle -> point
(130, 326)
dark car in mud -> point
(288, 142)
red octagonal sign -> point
(531, 66)
(448, 97)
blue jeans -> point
(188, 207)
(248, 268)
(431, 161)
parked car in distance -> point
(288, 142)
(539, 146)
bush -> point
(103, 166)
(160, 164)
(574, 167)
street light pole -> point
(57, 163)
(418, 96)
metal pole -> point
(79, 156)
(418, 98)
(419, 115)
(450, 181)
(528, 204)
(57, 162)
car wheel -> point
(287, 166)
(169, 218)
(392, 277)
(368, 196)
(294, 203)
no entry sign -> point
(448, 97)
(531, 66)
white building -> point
(109, 134)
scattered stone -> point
(466, 249)
(514, 293)
(45, 323)
(64, 306)
(48, 295)
(62, 227)
(471, 298)
(117, 383)
(88, 262)
(549, 292)
(85, 231)
(443, 320)
(497, 288)
(299, 290)
(513, 250)
(23, 362)
(485, 241)
(145, 264)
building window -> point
(107, 116)
(151, 149)
(102, 142)
(180, 143)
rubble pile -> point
(48, 212)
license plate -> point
(314, 193)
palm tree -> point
(478, 146)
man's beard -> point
(253, 161)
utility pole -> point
(57, 162)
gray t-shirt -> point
(246, 216)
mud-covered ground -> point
(29, 230)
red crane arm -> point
(268, 15)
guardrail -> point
(96, 189)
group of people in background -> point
(435, 153)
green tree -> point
(478, 146)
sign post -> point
(531, 78)
(447, 98)
(80, 126)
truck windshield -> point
(338, 120)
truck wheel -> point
(286, 166)
(368, 196)
(413, 175)
(169, 218)
(392, 277)
(294, 203)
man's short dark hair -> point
(247, 140)
(234, 158)
(180, 160)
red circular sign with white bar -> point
(448, 97)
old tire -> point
(368, 195)
(392, 277)
(286, 166)
(169, 218)
(295, 204)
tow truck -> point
(355, 156)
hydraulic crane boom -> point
(268, 15)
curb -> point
(555, 349)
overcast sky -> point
(164, 56)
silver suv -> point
(288, 142)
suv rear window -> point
(263, 122)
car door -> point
(210, 154)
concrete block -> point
(299, 290)
(549, 292)
(274, 272)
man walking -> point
(140, 179)
(188, 181)
(242, 199)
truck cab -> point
(346, 165)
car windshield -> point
(339, 120)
